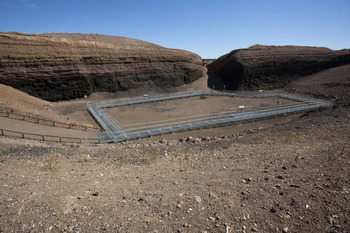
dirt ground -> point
(292, 177)
(28, 127)
(288, 174)
(333, 83)
(179, 109)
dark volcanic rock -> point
(65, 66)
(274, 66)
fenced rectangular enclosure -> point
(158, 114)
(176, 111)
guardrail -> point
(47, 122)
(134, 100)
(220, 121)
(112, 134)
(48, 138)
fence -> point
(141, 99)
(112, 134)
(114, 131)
(200, 118)
(47, 138)
(42, 121)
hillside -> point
(274, 66)
(60, 66)
(332, 83)
(14, 100)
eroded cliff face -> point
(65, 66)
(274, 66)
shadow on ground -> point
(215, 82)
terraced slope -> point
(66, 66)
(274, 66)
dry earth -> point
(292, 177)
(332, 83)
(177, 110)
(280, 175)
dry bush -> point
(148, 159)
(334, 152)
(153, 155)
(291, 138)
(51, 162)
(84, 159)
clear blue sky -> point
(209, 28)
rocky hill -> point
(61, 66)
(274, 66)
(332, 83)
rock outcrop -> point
(65, 66)
(273, 66)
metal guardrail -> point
(42, 121)
(135, 98)
(143, 99)
(111, 131)
(115, 133)
(47, 138)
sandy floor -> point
(287, 174)
(289, 178)
(177, 110)
(32, 128)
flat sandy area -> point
(177, 110)
(32, 128)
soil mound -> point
(11, 98)
(274, 66)
(333, 83)
(61, 66)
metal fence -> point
(114, 132)
(47, 122)
(47, 138)
(140, 99)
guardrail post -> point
(22, 135)
(43, 138)
(2, 132)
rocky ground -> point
(291, 177)
(289, 174)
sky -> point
(210, 28)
